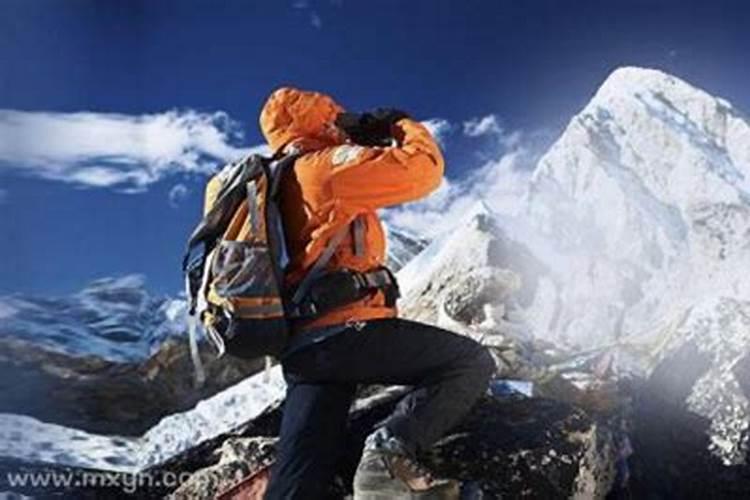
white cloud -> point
(501, 183)
(439, 128)
(177, 194)
(489, 126)
(120, 151)
(486, 125)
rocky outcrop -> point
(506, 447)
(478, 281)
(512, 448)
(108, 397)
(694, 408)
(239, 459)
(703, 368)
(672, 444)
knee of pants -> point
(485, 363)
(476, 361)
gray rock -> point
(702, 367)
(531, 448)
(692, 414)
(238, 459)
(104, 396)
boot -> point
(388, 471)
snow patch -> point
(27, 439)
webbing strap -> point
(358, 228)
(319, 265)
(378, 279)
(345, 286)
(263, 310)
(277, 169)
(195, 357)
(252, 208)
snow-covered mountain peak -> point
(127, 291)
(112, 318)
(674, 135)
(630, 81)
(647, 190)
(482, 209)
(465, 243)
(638, 163)
(646, 194)
(474, 275)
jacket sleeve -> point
(370, 178)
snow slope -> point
(647, 191)
(27, 439)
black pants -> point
(449, 373)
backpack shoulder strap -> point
(319, 265)
(277, 171)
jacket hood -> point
(290, 115)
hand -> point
(373, 128)
(387, 115)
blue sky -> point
(170, 89)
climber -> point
(350, 165)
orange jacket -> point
(334, 181)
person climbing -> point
(347, 167)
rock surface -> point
(694, 407)
(104, 396)
(530, 448)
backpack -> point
(235, 260)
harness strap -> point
(384, 280)
(345, 286)
(319, 265)
(358, 230)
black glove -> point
(373, 128)
(387, 115)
